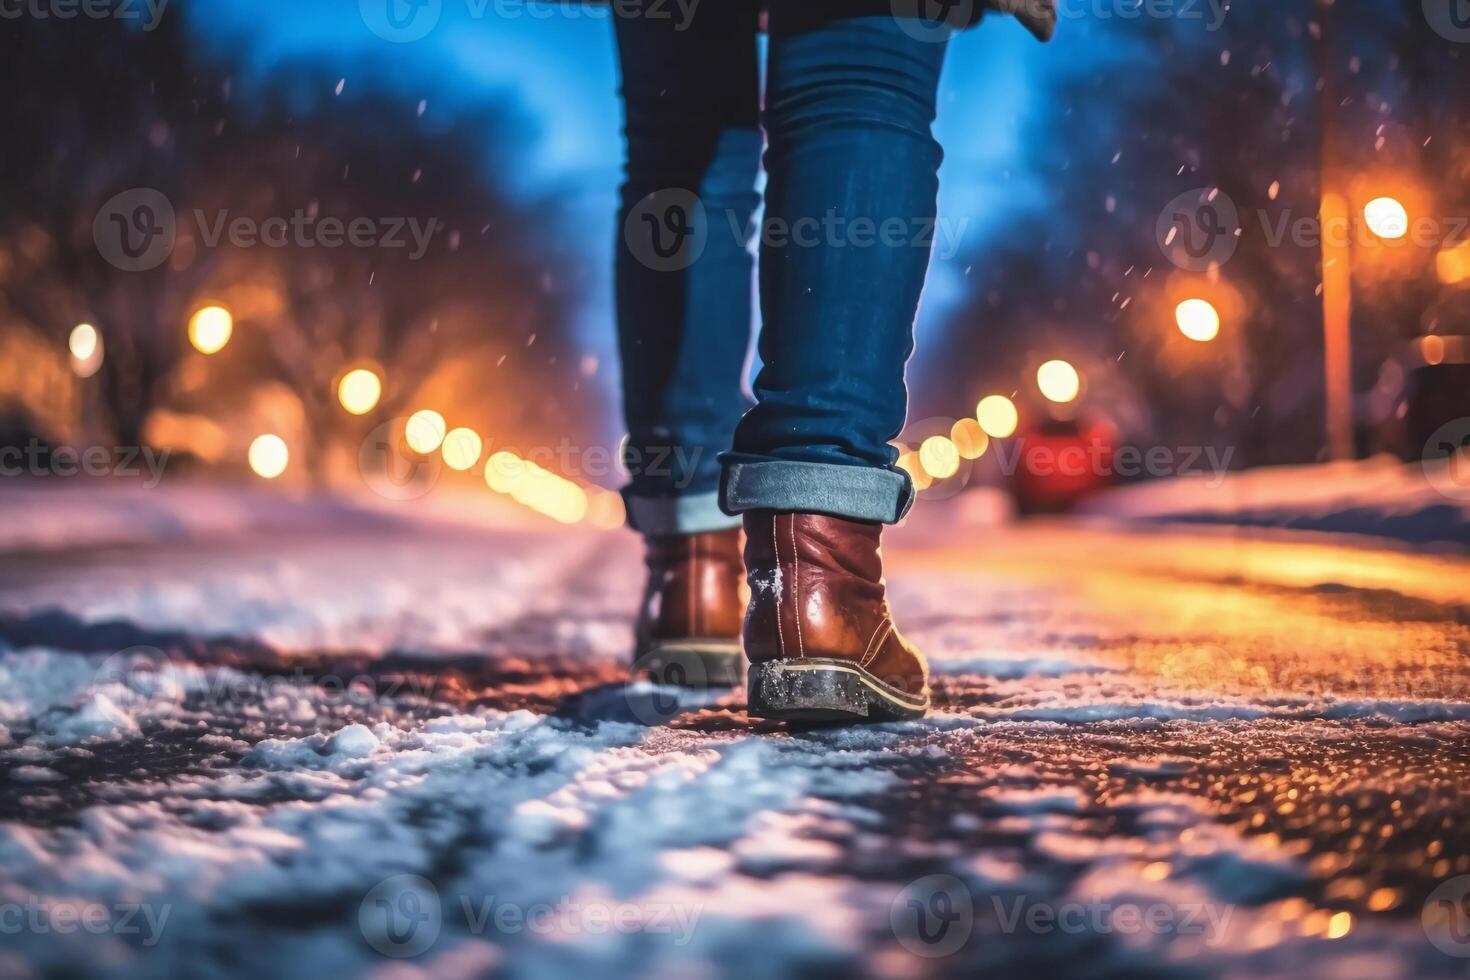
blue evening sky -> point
(558, 65)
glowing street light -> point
(424, 431)
(359, 391)
(461, 448)
(1058, 381)
(1386, 218)
(997, 415)
(210, 329)
(1198, 320)
(85, 344)
(268, 456)
(939, 457)
(1453, 264)
(969, 439)
(545, 492)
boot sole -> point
(815, 689)
(691, 663)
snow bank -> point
(1381, 497)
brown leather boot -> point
(688, 630)
(819, 634)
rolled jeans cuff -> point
(858, 493)
(689, 513)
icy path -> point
(308, 742)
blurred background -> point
(1127, 258)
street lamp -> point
(268, 456)
(939, 457)
(969, 438)
(1386, 218)
(210, 329)
(1453, 264)
(424, 431)
(1058, 381)
(359, 391)
(85, 344)
(1198, 320)
(997, 415)
(461, 448)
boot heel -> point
(805, 691)
(825, 690)
(690, 663)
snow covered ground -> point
(1422, 503)
(244, 736)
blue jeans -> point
(850, 209)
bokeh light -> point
(543, 491)
(210, 329)
(85, 344)
(939, 457)
(969, 439)
(359, 391)
(268, 456)
(605, 509)
(424, 431)
(461, 448)
(502, 470)
(909, 463)
(997, 416)
(83, 341)
(1198, 320)
(1058, 381)
(1453, 264)
(1386, 218)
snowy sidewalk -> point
(1420, 503)
(310, 740)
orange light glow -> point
(1453, 265)
(909, 463)
(969, 438)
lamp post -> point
(1337, 277)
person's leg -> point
(850, 204)
(683, 282)
(683, 277)
(850, 212)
